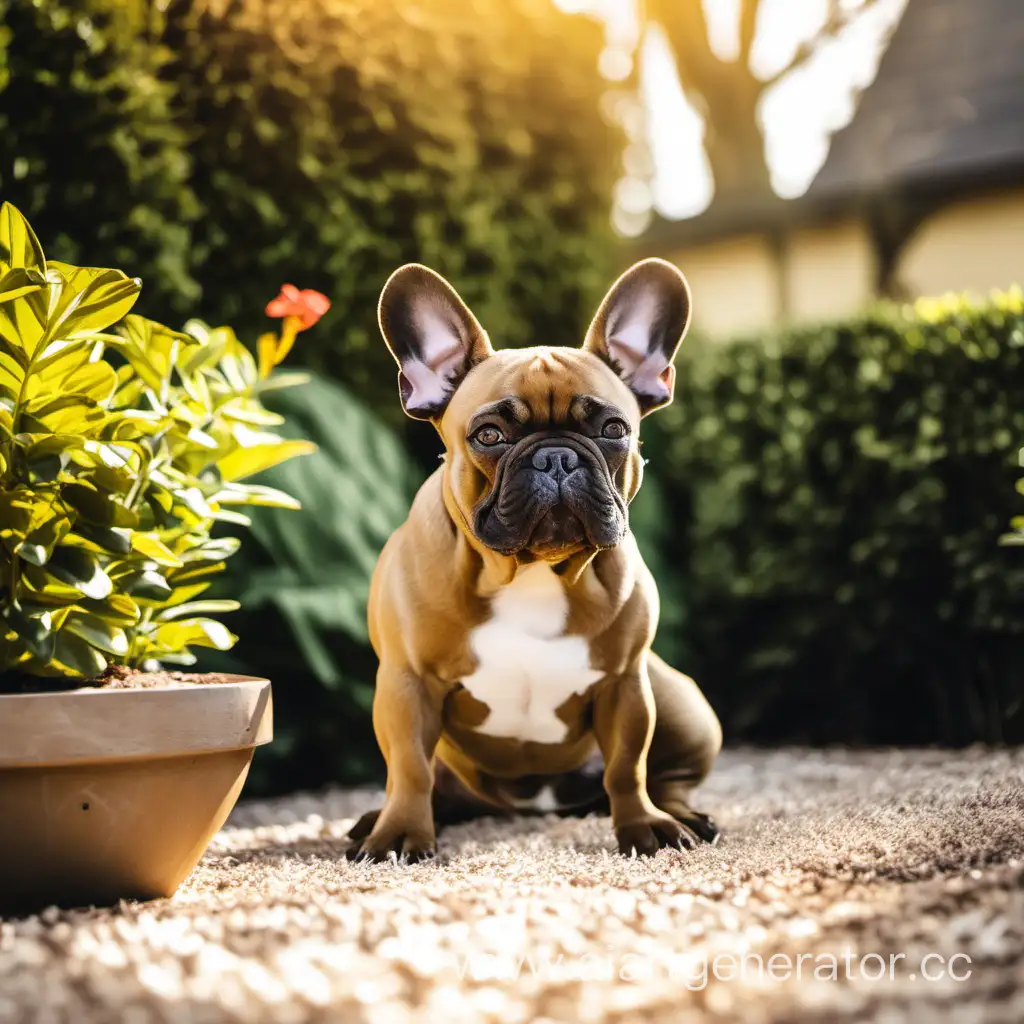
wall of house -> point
(746, 284)
(735, 285)
(971, 246)
(828, 271)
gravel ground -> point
(832, 863)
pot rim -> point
(85, 725)
(228, 679)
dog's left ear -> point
(638, 328)
(433, 336)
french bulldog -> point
(512, 612)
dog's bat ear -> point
(433, 336)
(638, 328)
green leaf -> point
(35, 631)
(183, 657)
(152, 547)
(77, 657)
(245, 462)
(224, 515)
(246, 410)
(193, 571)
(278, 381)
(100, 634)
(62, 357)
(146, 585)
(91, 299)
(98, 507)
(97, 381)
(214, 550)
(20, 281)
(199, 632)
(80, 569)
(193, 608)
(45, 405)
(152, 350)
(182, 595)
(25, 510)
(236, 361)
(255, 494)
(38, 546)
(23, 324)
(115, 539)
(47, 456)
(19, 247)
(118, 609)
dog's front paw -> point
(650, 834)
(386, 837)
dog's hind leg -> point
(687, 739)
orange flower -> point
(300, 310)
(306, 305)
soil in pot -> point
(116, 677)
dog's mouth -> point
(559, 531)
(551, 497)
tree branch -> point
(748, 28)
(839, 18)
(686, 30)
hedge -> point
(93, 153)
(835, 497)
(219, 147)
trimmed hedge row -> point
(834, 499)
(217, 147)
(93, 152)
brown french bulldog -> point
(512, 613)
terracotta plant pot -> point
(109, 794)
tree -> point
(727, 92)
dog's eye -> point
(614, 429)
(489, 436)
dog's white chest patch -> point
(527, 667)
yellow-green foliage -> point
(120, 448)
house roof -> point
(946, 104)
(944, 114)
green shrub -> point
(93, 153)
(113, 472)
(836, 498)
(213, 142)
(304, 591)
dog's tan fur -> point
(433, 586)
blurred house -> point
(922, 193)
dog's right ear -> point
(433, 336)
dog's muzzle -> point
(551, 494)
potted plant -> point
(122, 447)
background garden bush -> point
(836, 497)
(215, 147)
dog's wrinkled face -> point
(544, 452)
(543, 455)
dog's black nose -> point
(555, 461)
